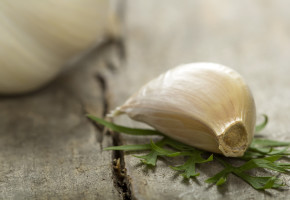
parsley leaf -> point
(189, 166)
(262, 154)
(123, 129)
(262, 125)
(256, 182)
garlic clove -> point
(205, 105)
(39, 37)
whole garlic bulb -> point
(38, 37)
(205, 105)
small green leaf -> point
(263, 147)
(220, 177)
(284, 165)
(269, 151)
(263, 124)
(123, 129)
(149, 159)
(163, 152)
(248, 155)
(221, 181)
(270, 183)
(273, 158)
(261, 183)
(156, 150)
(137, 147)
(255, 182)
(210, 158)
(267, 163)
(188, 167)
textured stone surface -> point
(49, 149)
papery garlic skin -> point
(205, 105)
(37, 38)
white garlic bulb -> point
(204, 105)
(38, 37)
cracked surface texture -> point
(50, 150)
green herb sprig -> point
(262, 154)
